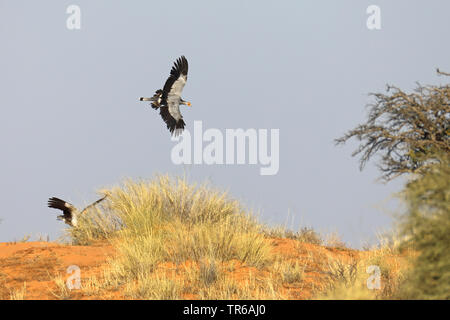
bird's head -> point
(65, 219)
(187, 103)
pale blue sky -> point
(71, 122)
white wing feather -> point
(174, 97)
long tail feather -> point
(156, 99)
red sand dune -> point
(38, 264)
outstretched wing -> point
(66, 207)
(93, 204)
(175, 83)
(175, 126)
(171, 96)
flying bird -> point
(168, 99)
(70, 213)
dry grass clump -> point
(232, 238)
(333, 240)
(303, 235)
(347, 282)
(176, 240)
(290, 271)
(154, 287)
(376, 274)
(18, 294)
(91, 286)
(251, 288)
(62, 291)
(167, 220)
(209, 271)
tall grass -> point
(168, 220)
(303, 235)
(347, 279)
(175, 240)
(19, 294)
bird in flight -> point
(168, 99)
(70, 213)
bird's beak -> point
(188, 103)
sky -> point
(71, 122)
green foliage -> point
(427, 225)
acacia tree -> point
(411, 134)
(405, 129)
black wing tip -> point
(180, 124)
(58, 203)
(178, 128)
(175, 127)
(55, 199)
(53, 202)
(182, 59)
(180, 66)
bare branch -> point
(406, 129)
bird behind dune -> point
(70, 213)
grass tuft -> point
(18, 294)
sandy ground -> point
(36, 265)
